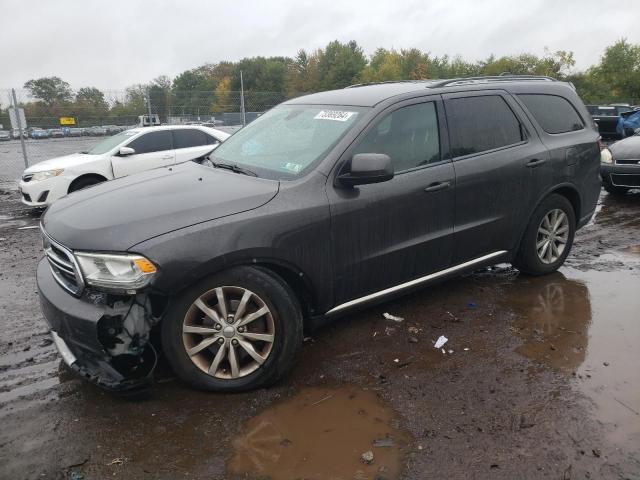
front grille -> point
(63, 265)
(625, 180)
(628, 161)
(27, 177)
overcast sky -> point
(111, 44)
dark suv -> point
(325, 203)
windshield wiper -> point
(234, 168)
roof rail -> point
(501, 78)
(386, 81)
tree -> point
(223, 102)
(339, 64)
(619, 71)
(49, 90)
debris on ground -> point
(413, 340)
(383, 442)
(367, 457)
(76, 476)
(466, 349)
(116, 461)
(441, 341)
(414, 330)
(388, 316)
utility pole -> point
(19, 121)
(244, 119)
(149, 107)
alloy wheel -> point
(553, 234)
(228, 332)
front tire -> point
(548, 237)
(237, 330)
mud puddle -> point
(587, 325)
(321, 434)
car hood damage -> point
(115, 215)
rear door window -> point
(553, 113)
(481, 123)
(191, 137)
(152, 142)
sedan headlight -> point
(605, 156)
(38, 176)
(115, 271)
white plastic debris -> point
(28, 228)
(466, 349)
(441, 341)
(450, 352)
(388, 316)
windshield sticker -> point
(292, 167)
(337, 115)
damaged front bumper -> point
(102, 337)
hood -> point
(626, 149)
(115, 215)
(66, 161)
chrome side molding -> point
(411, 283)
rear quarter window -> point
(553, 113)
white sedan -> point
(128, 152)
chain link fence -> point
(61, 126)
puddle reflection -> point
(321, 434)
(553, 315)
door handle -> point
(535, 163)
(167, 157)
(437, 186)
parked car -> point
(326, 203)
(5, 136)
(117, 156)
(15, 134)
(97, 131)
(606, 117)
(56, 133)
(620, 168)
(76, 132)
(39, 133)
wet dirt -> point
(542, 382)
(321, 433)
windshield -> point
(108, 143)
(286, 141)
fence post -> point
(17, 112)
(244, 120)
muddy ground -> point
(539, 379)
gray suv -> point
(324, 204)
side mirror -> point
(368, 168)
(125, 151)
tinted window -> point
(152, 142)
(479, 124)
(191, 137)
(408, 135)
(554, 114)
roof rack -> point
(489, 79)
(387, 81)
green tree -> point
(340, 64)
(49, 90)
(619, 71)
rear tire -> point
(548, 237)
(235, 358)
(613, 190)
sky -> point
(111, 44)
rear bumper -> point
(74, 328)
(621, 175)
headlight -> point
(115, 271)
(605, 156)
(38, 176)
